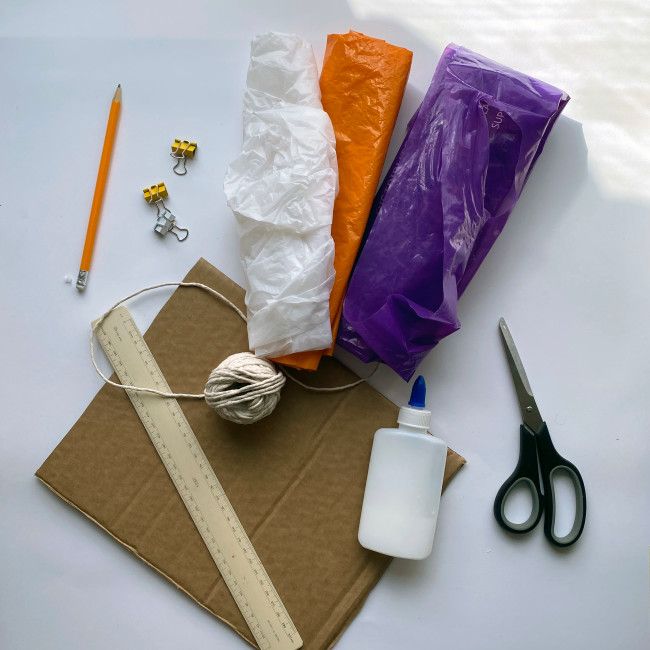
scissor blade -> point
(529, 411)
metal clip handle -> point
(180, 168)
(175, 230)
(166, 222)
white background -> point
(571, 273)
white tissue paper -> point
(282, 188)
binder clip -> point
(165, 220)
(181, 151)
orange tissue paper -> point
(362, 84)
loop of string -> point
(239, 312)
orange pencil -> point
(100, 185)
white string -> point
(239, 312)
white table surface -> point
(571, 273)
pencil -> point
(100, 186)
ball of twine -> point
(244, 388)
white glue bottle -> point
(407, 465)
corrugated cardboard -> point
(296, 478)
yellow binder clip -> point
(181, 151)
(165, 220)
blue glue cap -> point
(415, 416)
(418, 393)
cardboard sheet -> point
(296, 479)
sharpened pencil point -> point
(117, 97)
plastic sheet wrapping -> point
(281, 189)
(467, 153)
(362, 84)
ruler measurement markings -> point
(184, 488)
(199, 507)
(276, 606)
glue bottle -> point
(407, 465)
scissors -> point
(537, 456)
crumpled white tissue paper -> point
(282, 188)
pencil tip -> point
(118, 93)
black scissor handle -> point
(526, 473)
(551, 463)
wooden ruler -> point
(198, 485)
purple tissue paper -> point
(466, 156)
